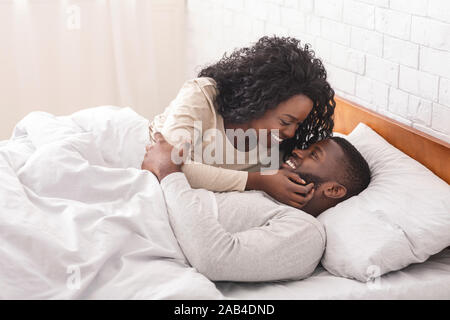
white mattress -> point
(428, 280)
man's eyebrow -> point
(320, 149)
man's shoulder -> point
(248, 194)
(257, 199)
(251, 199)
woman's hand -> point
(284, 185)
(159, 158)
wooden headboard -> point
(431, 152)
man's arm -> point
(286, 247)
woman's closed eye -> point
(284, 123)
(288, 123)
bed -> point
(427, 280)
(80, 220)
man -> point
(248, 236)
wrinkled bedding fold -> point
(79, 219)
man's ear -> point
(334, 190)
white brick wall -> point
(439, 9)
(331, 9)
(382, 70)
(419, 83)
(401, 51)
(394, 23)
(416, 7)
(398, 101)
(430, 33)
(392, 56)
(359, 14)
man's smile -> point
(292, 162)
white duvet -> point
(79, 219)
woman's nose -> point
(289, 132)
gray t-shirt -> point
(242, 236)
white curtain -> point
(61, 55)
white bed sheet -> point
(428, 280)
(53, 218)
(80, 220)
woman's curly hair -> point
(254, 79)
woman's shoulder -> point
(205, 85)
(199, 88)
(205, 82)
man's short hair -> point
(355, 175)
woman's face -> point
(286, 117)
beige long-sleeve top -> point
(195, 102)
(242, 236)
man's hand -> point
(158, 158)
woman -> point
(276, 85)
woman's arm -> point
(194, 103)
(213, 178)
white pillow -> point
(403, 216)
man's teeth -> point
(277, 138)
(291, 164)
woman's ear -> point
(334, 190)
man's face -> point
(318, 163)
